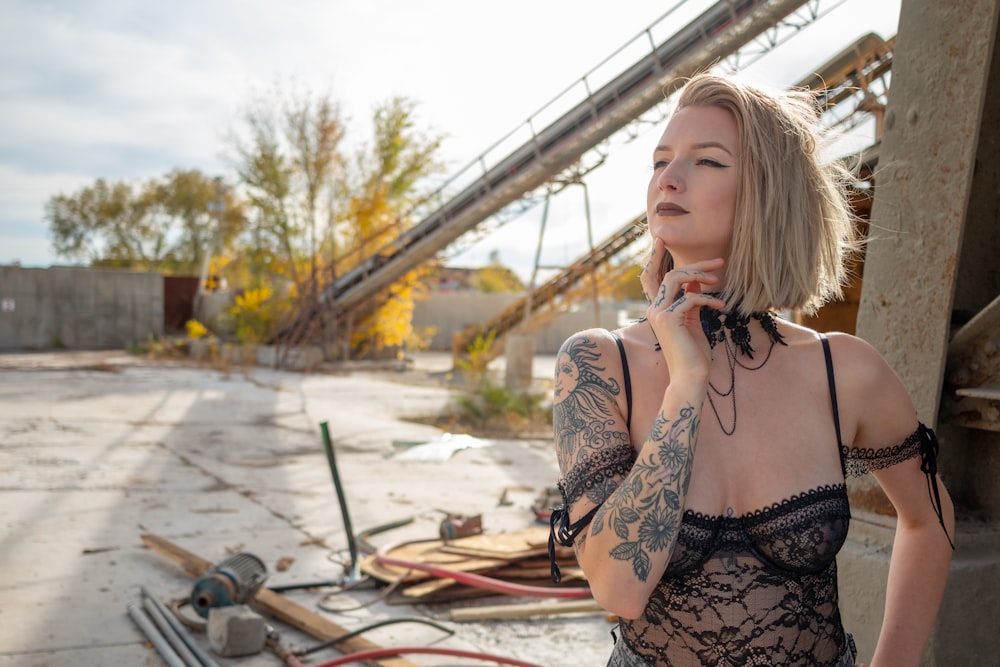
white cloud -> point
(129, 89)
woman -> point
(704, 448)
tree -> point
(315, 130)
(495, 278)
(162, 225)
(202, 214)
(102, 221)
(384, 186)
(266, 174)
(287, 159)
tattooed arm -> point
(638, 499)
(636, 494)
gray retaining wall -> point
(78, 308)
(450, 313)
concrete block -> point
(520, 359)
(236, 630)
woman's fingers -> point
(676, 308)
(688, 279)
(681, 303)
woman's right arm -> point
(638, 509)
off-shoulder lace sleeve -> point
(922, 442)
(860, 461)
(595, 477)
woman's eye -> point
(660, 164)
(710, 162)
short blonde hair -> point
(794, 225)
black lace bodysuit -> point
(752, 590)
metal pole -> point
(590, 243)
(538, 254)
(186, 656)
(162, 647)
(352, 544)
(202, 656)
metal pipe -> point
(162, 647)
(203, 657)
(168, 633)
(352, 543)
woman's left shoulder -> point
(854, 360)
(858, 363)
(871, 394)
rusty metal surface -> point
(178, 301)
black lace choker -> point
(716, 323)
(733, 331)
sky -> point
(132, 89)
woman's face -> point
(567, 377)
(691, 199)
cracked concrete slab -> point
(98, 448)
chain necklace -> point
(732, 330)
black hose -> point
(283, 588)
(355, 633)
(363, 536)
(352, 544)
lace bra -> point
(801, 535)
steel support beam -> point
(721, 31)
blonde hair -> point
(794, 226)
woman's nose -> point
(670, 179)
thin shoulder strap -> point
(833, 398)
(626, 379)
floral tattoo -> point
(648, 521)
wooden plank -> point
(279, 606)
(528, 610)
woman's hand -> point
(675, 316)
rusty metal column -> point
(928, 160)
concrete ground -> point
(99, 448)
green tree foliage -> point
(202, 214)
(166, 224)
(288, 160)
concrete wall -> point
(932, 264)
(452, 312)
(78, 308)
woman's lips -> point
(670, 209)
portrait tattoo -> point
(592, 444)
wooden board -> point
(526, 543)
(279, 606)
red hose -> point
(478, 580)
(375, 653)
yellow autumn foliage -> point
(255, 314)
(195, 329)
